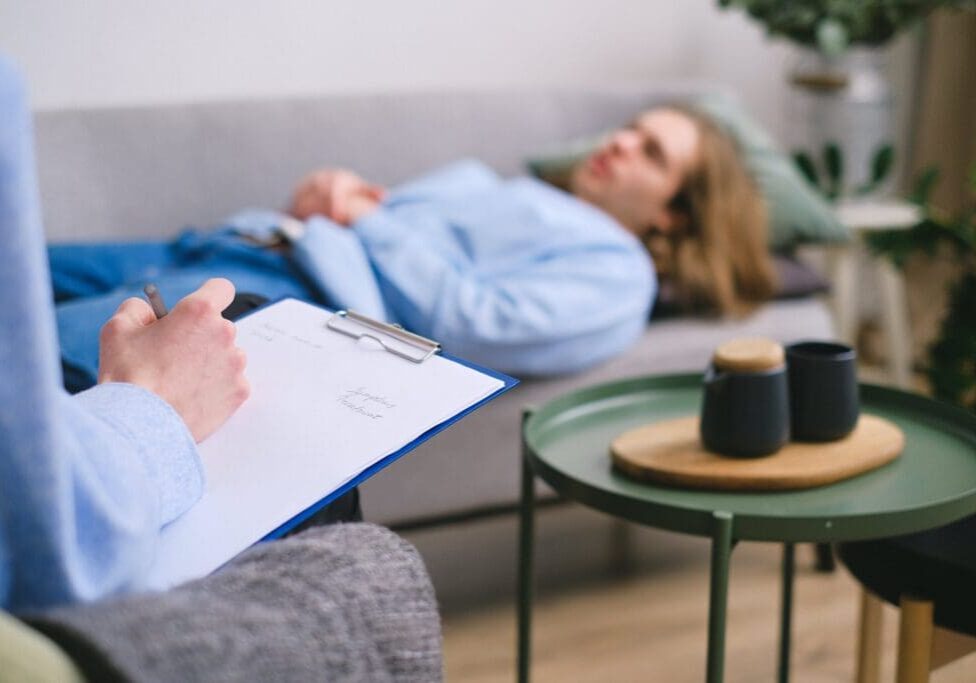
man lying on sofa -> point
(512, 273)
(87, 481)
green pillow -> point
(798, 214)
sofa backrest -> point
(149, 171)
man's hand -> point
(339, 195)
(188, 358)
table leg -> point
(526, 533)
(719, 595)
(786, 616)
(869, 639)
(894, 315)
(843, 298)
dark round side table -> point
(566, 443)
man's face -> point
(639, 169)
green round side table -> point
(566, 443)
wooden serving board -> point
(671, 453)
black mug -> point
(824, 399)
(745, 413)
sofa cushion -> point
(794, 280)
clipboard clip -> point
(393, 338)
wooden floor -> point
(652, 626)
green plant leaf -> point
(924, 183)
(805, 163)
(898, 245)
(881, 164)
(951, 368)
(864, 22)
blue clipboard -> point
(412, 348)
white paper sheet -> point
(323, 408)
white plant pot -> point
(847, 100)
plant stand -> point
(844, 264)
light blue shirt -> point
(86, 482)
(511, 273)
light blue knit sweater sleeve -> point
(87, 481)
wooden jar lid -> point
(749, 354)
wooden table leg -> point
(869, 640)
(914, 640)
(894, 316)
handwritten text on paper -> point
(367, 404)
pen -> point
(155, 300)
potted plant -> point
(831, 26)
(842, 95)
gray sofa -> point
(130, 173)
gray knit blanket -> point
(346, 602)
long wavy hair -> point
(719, 260)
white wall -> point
(99, 53)
(112, 52)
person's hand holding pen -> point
(189, 357)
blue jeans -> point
(91, 280)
